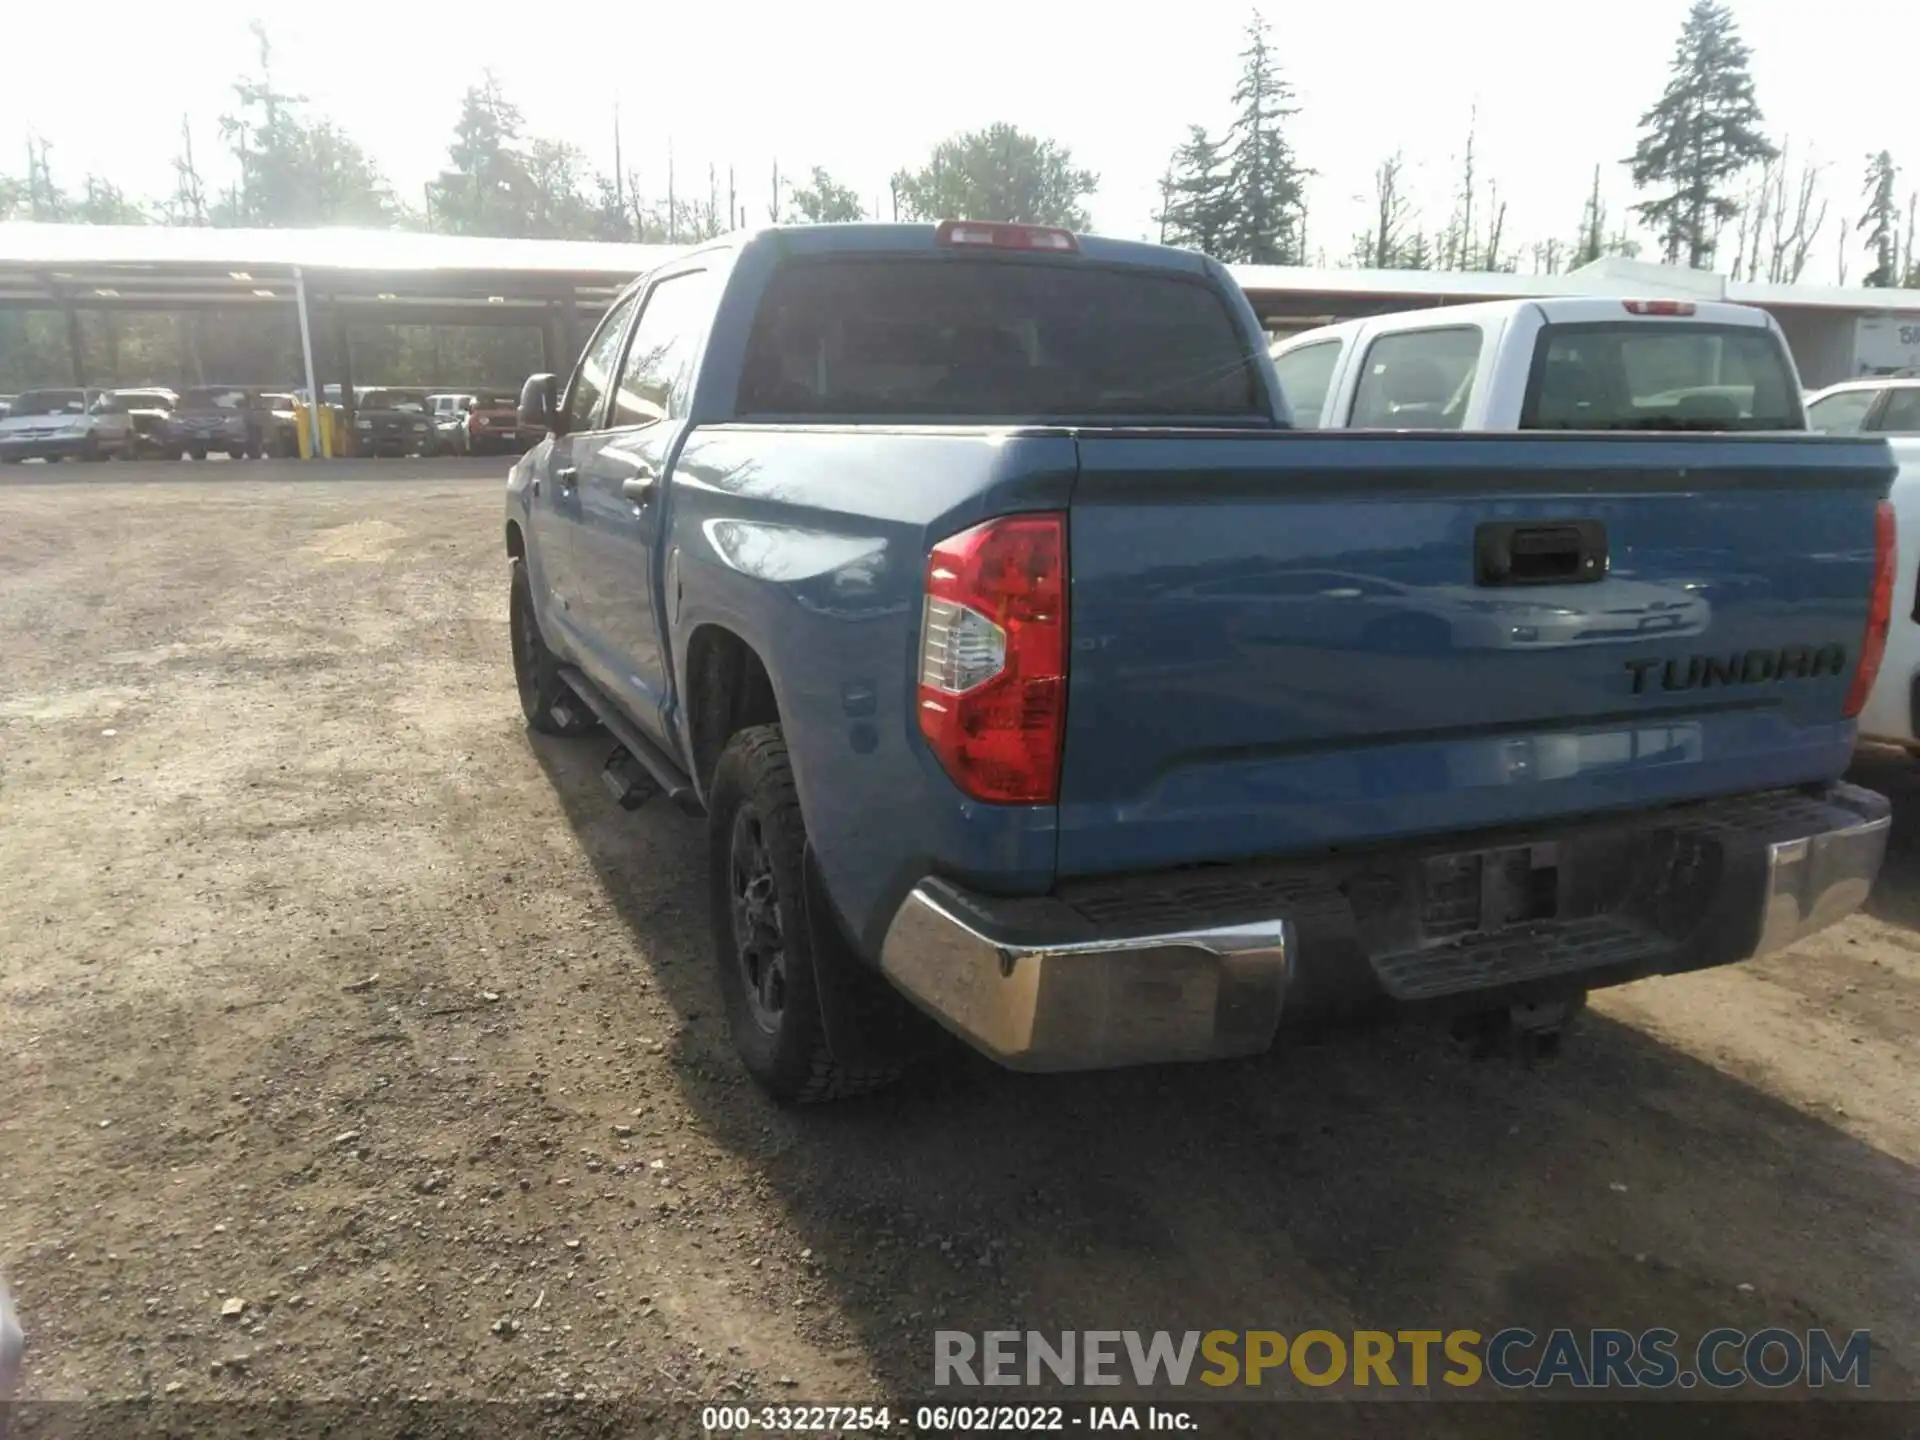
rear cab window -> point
(1418, 379)
(1841, 413)
(214, 399)
(1305, 376)
(964, 337)
(1614, 375)
(1901, 416)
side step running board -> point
(674, 781)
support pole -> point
(74, 353)
(315, 398)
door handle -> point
(1549, 552)
(639, 488)
(565, 475)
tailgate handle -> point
(1539, 552)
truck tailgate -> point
(1284, 643)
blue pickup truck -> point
(1035, 676)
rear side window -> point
(219, 399)
(1841, 413)
(968, 338)
(1658, 376)
(657, 376)
(1418, 380)
(594, 373)
(1902, 414)
(1305, 375)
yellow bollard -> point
(329, 428)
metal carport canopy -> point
(392, 276)
(172, 267)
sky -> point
(864, 89)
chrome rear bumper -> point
(1825, 874)
(1031, 986)
(1039, 984)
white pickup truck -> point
(1583, 363)
(1892, 711)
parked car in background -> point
(231, 419)
(391, 421)
(79, 423)
(1867, 407)
(493, 425)
(1586, 363)
(283, 436)
(150, 409)
(449, 411)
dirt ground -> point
(326, 988)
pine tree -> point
(485, 189)
(293, 172)
(1881, 222)
(1703, 131)
(1263, 180)
(1195, 209)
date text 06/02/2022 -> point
(942, 1419)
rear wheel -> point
(536, 670)
(756, 848)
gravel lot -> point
(330, 996)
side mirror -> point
(540, 403)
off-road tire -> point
(784, 1049)
(536, 670)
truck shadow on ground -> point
(1895, 774)
(1378, 1180)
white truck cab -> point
(1582, 363)
(1881, 405)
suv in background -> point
(283, 434)
(1884, 406)
(393, 421)
(449, 413)
(493, 425)
(235, 419)
(149, 408)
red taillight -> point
(996, 235)
(1659, 307)
(1879, 611)
(993, 658)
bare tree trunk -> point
(1490, 258)
(1907, 275)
